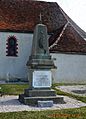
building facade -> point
(66, 40)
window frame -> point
(9, 47)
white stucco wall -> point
(15, 67)
(70, 68)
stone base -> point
(39, 93)
(48, 103)
(32, 96)
(33, 101)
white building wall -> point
(70, 68)
(15, 67)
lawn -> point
(79, 113)
(15, 89)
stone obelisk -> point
(40, 64)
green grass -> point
(13, 89)
(16, 89)
(59, 92)
(78, 113)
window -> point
(11, 46)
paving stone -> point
(11, 104)
(76, 90)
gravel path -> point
(73, 89)
(11, 104)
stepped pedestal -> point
(31, 97)
(40, 64)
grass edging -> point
(16, 89)
(59, 92)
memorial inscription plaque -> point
(42, 79)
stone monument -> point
(39, 66)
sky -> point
(76, 9)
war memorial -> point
(39, 66)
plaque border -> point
(33, 83)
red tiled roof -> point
(24, 15)
(69, 40)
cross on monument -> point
(40, 17)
